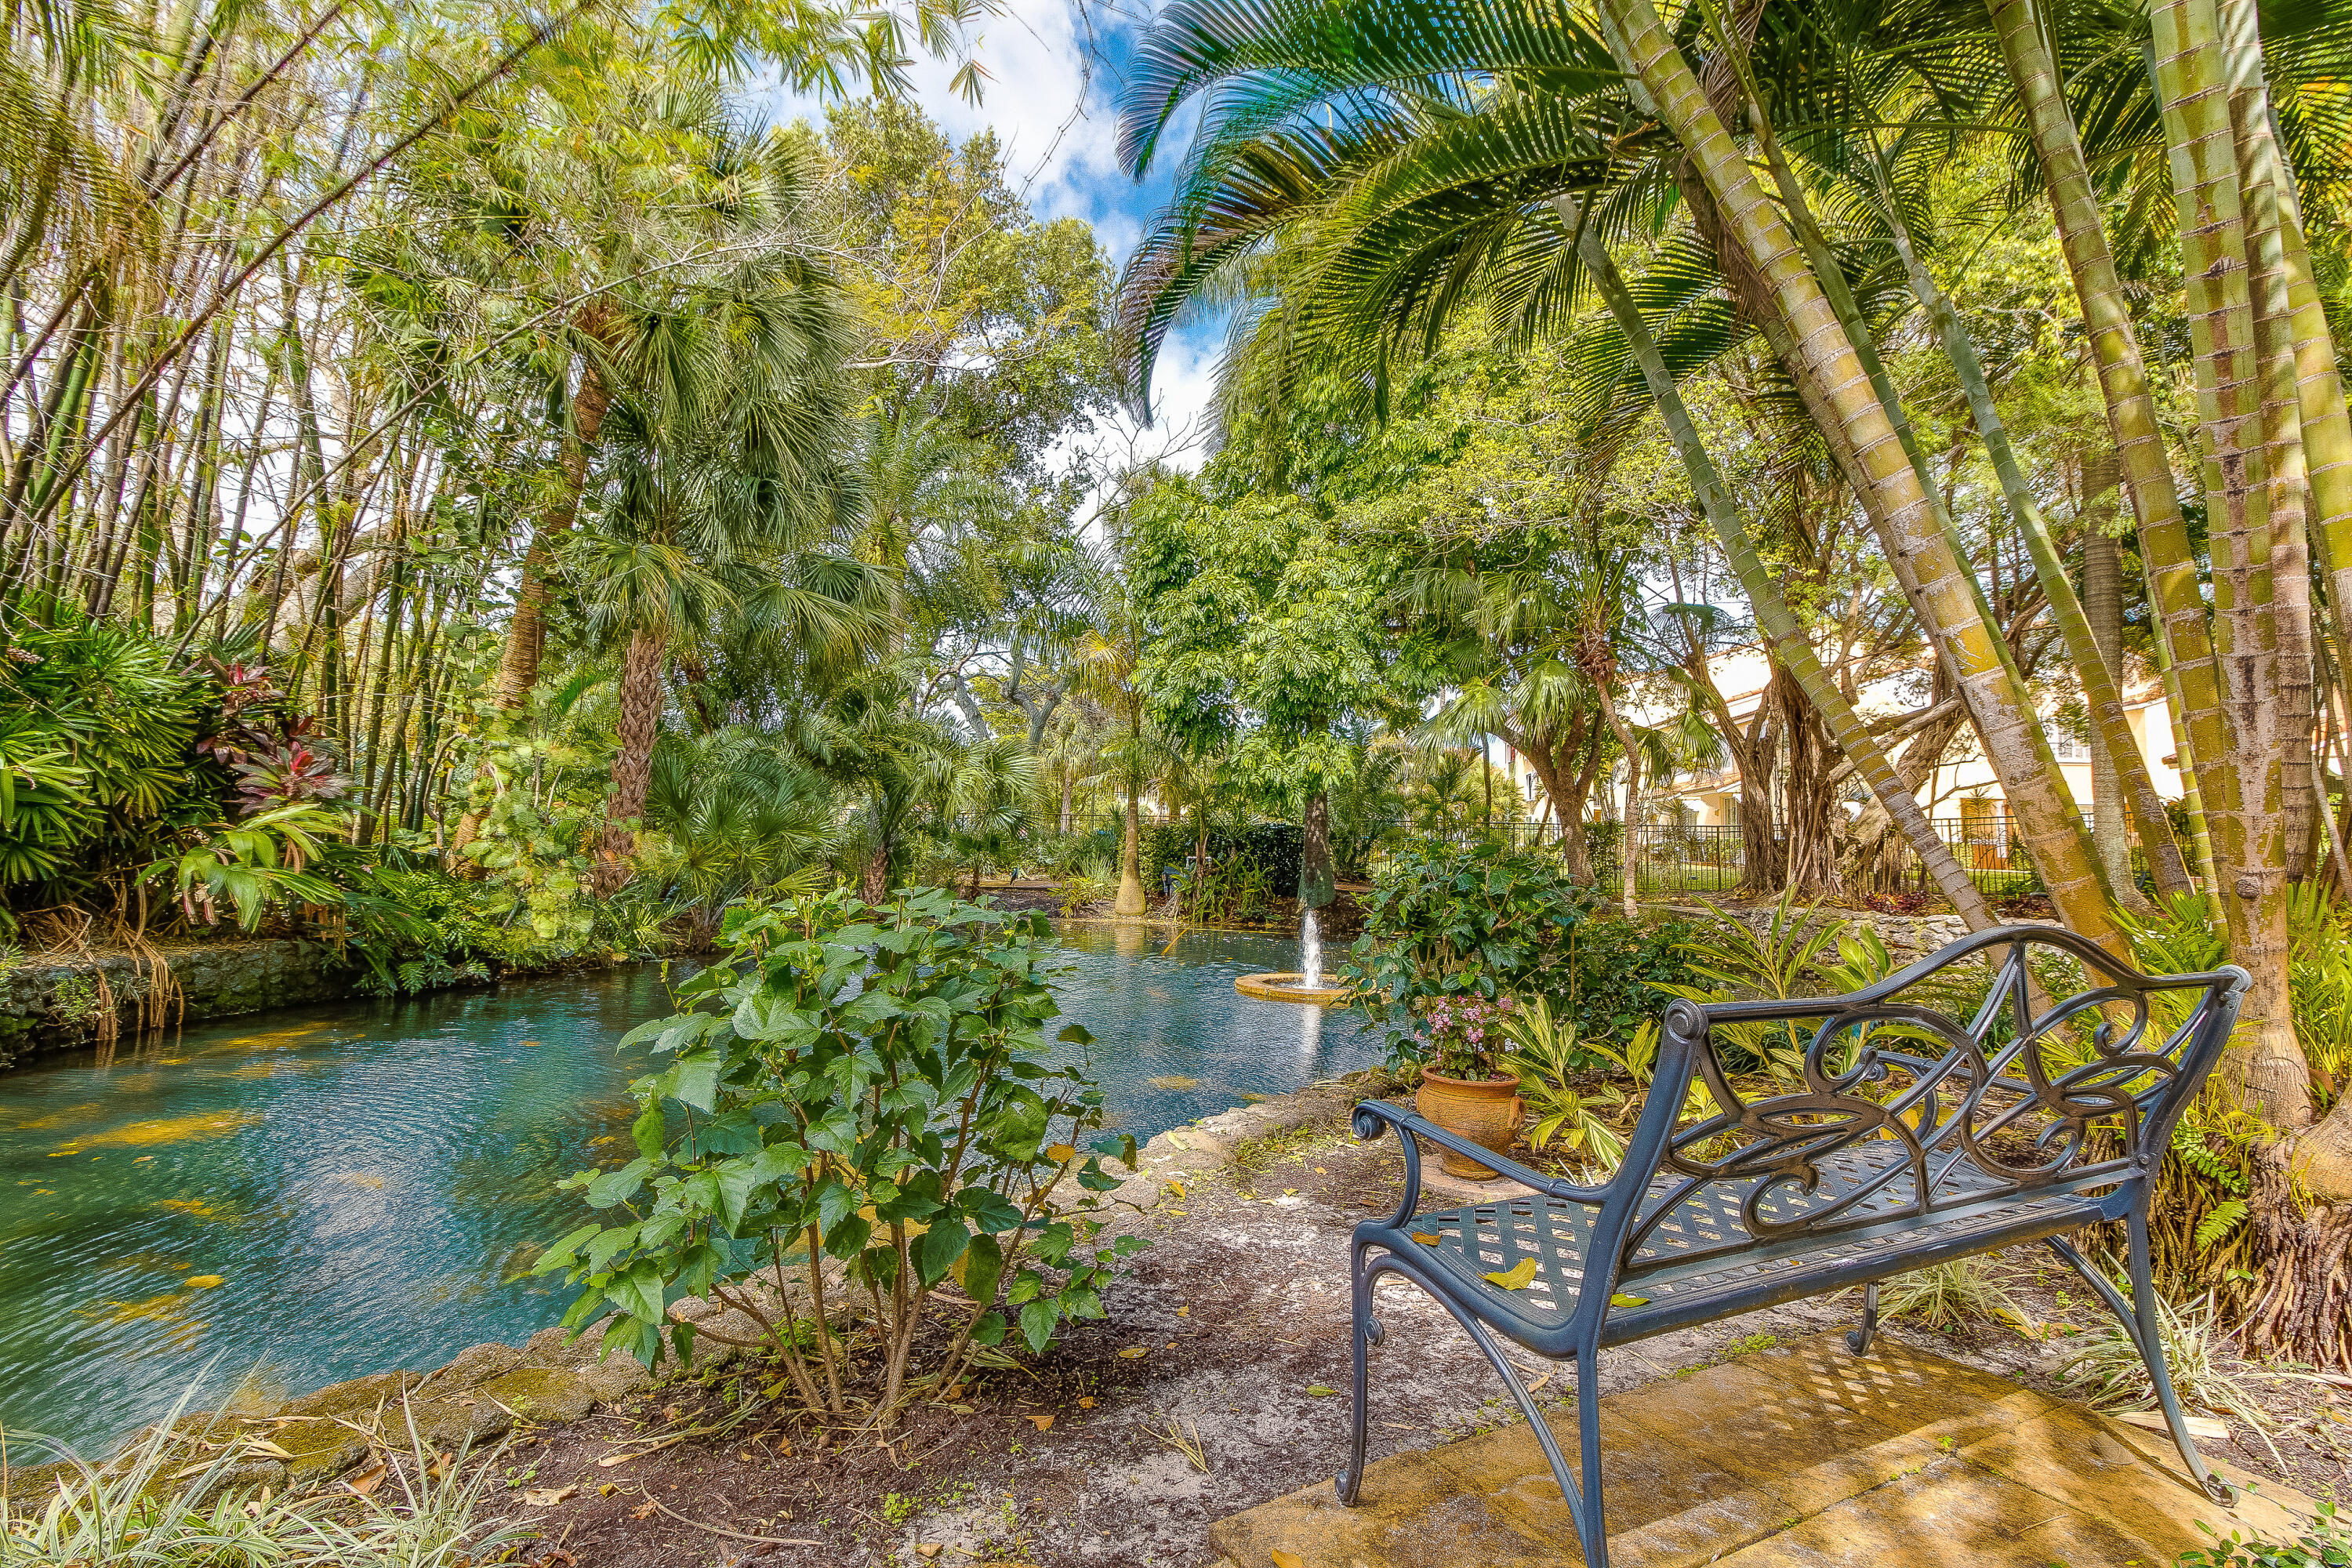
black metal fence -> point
(1671, 858)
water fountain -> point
(1304, 985)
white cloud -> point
(1051, 98)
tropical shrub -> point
(866, 1087)
(1443, 922)
(1270, 850)
(1548, 1059)
(97, 766)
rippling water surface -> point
(308, 1195)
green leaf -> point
(849, 1238)
(988, 1329)
(978, 1269)
(940, 1249)
(1037, 1320)
(646, 1131)
(639, 1291)
(695, 1080)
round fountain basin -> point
(1290, 986)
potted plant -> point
(1464, 1087)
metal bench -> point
(1915, 1139)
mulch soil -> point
(1216, 1382)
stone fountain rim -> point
(1270, 987)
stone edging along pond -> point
(489, 1390)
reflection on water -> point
(337, 1191)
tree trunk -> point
(1314, 879)
(1069, 782)
(874, 881)
(1823, 360)
(2095, 666)
(1791, 650)
(2184, 643)
(1808, 800)
(1628, 877)
(2239, 781)
(633, 766)
(2103, 611)
(526, 630)
(1131, 901)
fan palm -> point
(722, 495)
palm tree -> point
(721, 495)
(1413, 183)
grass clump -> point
(166, 1504)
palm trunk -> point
(2096, 668)
(1628, 878)
(2242, 784)
(2184, 641)
(526, 630)
(1941, 588)
(1131, 901)
(1791, 649)
(2103, 609)
(633, 766)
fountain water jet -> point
(1307, 985)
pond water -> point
(309, 1195)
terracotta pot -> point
(1487, 1113)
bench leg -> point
(2139, 1318)
(1858, 1340)
(1366, 1333)
(1584, 1502)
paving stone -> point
(1804, 1455)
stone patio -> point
(1800, 1454)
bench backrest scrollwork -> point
(1905, 1110)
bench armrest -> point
(1412, 1130)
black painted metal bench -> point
(1914, 1138)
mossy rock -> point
(547, 1394)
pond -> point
(315, 1195)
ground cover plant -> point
(858, 1108)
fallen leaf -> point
(957, 1409)
(1517, 1277)
(607, 1489)
(367, 1480)
(1130, 1352)
(1176, 1186)
(530, 1042)
(927, 1550)
(547, 1496)
(1086, 1402)
(1287, 1559)
(440, 1465)
(645, 1512)
(1426, 1239)
(1043, 1422)
(1061, 1153)
(203, 1281)
(1184, 1311)
(1321, 1172)
(745, 1458)
(1621, 1300)
(264, 1448)
(1319, 1392)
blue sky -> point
(1054, 76)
